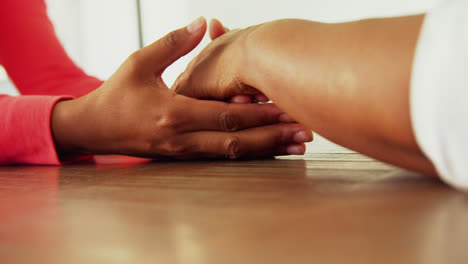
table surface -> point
(321, 208)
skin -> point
(134, 113)
(349, 82)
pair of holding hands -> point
(134, 112)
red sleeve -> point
(38, 65)
(33, 56)
(25, 131)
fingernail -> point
(285, 118)
(262, 98)
(178, 81)
(302, 136)
(196, 25)
(295, 150)
(241, 99)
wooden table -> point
(326, 208)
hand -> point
(216, 73)
(216, 30)
(134, 113)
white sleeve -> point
(439, 91)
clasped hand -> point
(134, 113)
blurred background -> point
(100, 34)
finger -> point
(257, 142)
(221, 116)
(296, 149)
(197, 86)
(182, 78)
(262, 98)
(158, 56)
(241, 99)
(285, 118)
(217, 29)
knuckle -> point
(175, 148)
(134, 62)
(134, 59)
(171, 39)
(228, 121)
(283, 136)
(151, 146)
(169, 121)
(235, 85)
(232, 147)
(168, 147)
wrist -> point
(267, 50)
(66, 126)
(248, 64)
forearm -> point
(348, 82)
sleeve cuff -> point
(26, 134)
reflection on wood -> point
(336, 208)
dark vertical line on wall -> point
(140, 24)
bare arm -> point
(348, 82)
(134, 113)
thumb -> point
(217, 29)
(157, 56)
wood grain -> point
(324, 208)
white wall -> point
(3, 75)
(159, 19)
(110, 34)
(5, 86)
(100, 34)
(67, 15)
